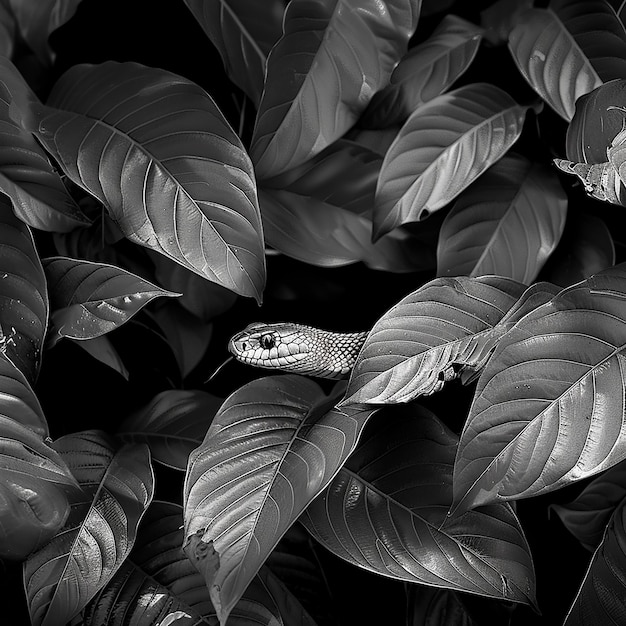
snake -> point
(297, 348)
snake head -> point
(272, 346)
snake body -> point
(297, 348)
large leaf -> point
(243, 32)
(157, 582)
(507, 223)
(426, 71)
(588, 515)
(38, 195)
(569, 49)
(173, 424)
(36, 19)
(34, 480)
(23, 294)
(117, 487)
(272, 447)
(601, 598)
(334, 55)
(598, 118)
(441, 149)
(386, 511)
(90, 299)
(549, 407)
(155, 149)
(428, 338)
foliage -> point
(446, 175)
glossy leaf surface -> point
(441, 149)
(508, 223)
(173, 424)
(117, 487)
(90, 299)
(273, 446)
(334, 55)
(428, 338)
(156, 150)
(23, 294)
(386, 511)
(545, 412)
(568, 50)
(425, 72)
(244, 33)
(157, 582)
(38, 195)
(601, 598)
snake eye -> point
(267, 341)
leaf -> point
(428, 338)
(117, 487)
(598, 118)
(37, 19)
(7, 32)
(441, 149)
(548, 408)
(243, 33)
(34, 480)
(101, 349)
(426, 71)
(499, 18)
(600, 599)
(393, 494)
(38, 195)
(155, 149)
(273, 446)
(333, 56)
(588, 515)
(568, 50)
(90, 299)
(507, 223)
(600, 181)
(172, 424)
(19, 401)
(23, 295)
(157, 582)
(586, 248)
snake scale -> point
(297, 348)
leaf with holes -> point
(23, 295)
(548, 410)
(90, 299)
(588, 515)
(38, 195)
(441, 149)
(273, 446)
(333, 56)
(117, 488)
(428, 338)
(507, 223)
(156, 150)
(389, 482)
(243, 33)
(601, 597)
(568, 49)
(172, 424)
(157, 582)
(426, 71)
